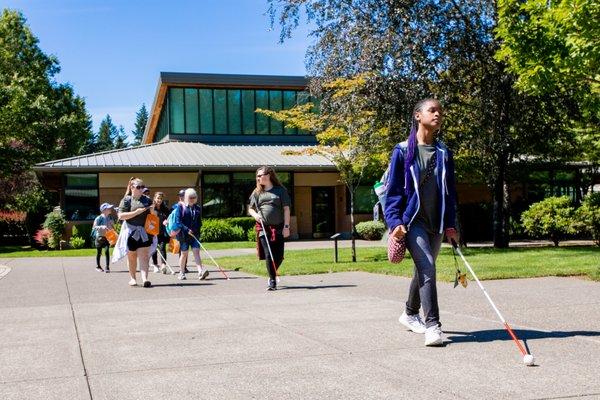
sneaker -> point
(147, 284)
(181, 277)
(163, 269)
(99, 269)
(185, 270)
(272, 285)
(433, 336)
(202, 274)
(156, 269)
(107, 270)
(132, 282)
(412, 322)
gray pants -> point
(424, 248)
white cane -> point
(269, 248)
(165, 261)
(211, 257)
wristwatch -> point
(286, 226)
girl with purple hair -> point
(420, 207)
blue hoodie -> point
(402, 208)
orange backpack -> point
(152, 224)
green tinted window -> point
(176, 110)
(220, 104)
(289, 101)
(216, 178)
(275, 104)
(248, 111)
(262, 122)
(192, 124)
(206, 111)
(234, 110)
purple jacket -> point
(400, 208)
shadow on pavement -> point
(313, 287)
(523, 334)
(181, 284)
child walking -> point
(102, 223)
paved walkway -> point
(68, 332)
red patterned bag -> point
(396, 249)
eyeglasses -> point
(139, 187)
(193, 197)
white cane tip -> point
(528, 360)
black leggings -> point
(99, 254)
(277, 247)
(162, 247)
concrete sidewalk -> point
(69, 332)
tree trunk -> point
(501, 192)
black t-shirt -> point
(128, 203)
(269, 204)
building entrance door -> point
(323, 211)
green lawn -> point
(26, 251)
(488, 263)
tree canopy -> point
(40, 119)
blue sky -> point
(112, 51)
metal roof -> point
(173, 155)
(186, 78)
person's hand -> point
(286, 232)
(257, 218)
(165, 222)
(191, 232)
(398, 232)
(140, 211)
(451, 234)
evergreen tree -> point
(121, 140)
(107, 135)
(141, 119)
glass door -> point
(323, 211)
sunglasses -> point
(193, 197)
(139, 187)
(260, 175)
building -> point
(203, 132)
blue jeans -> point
(424, 248)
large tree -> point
(434, 48)
(141, 119)
(40, 119)
(555, 46)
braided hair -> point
(412, 139)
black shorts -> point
(133, 245)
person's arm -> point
(286, 221)
(252, 211)
(395, 195)
(125, 215)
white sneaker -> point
(412, 322)
(433, 336)
(202, 273)
(181, 277)
(132, 282)
(156, 269)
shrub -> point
(588, 216)
(13, 227)
(76, 242)
(55, 223)
(83, 231)
(251, 236)
(216, 230)
(41, 237)
(552, 217)
(370, 230)
(243, 222)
